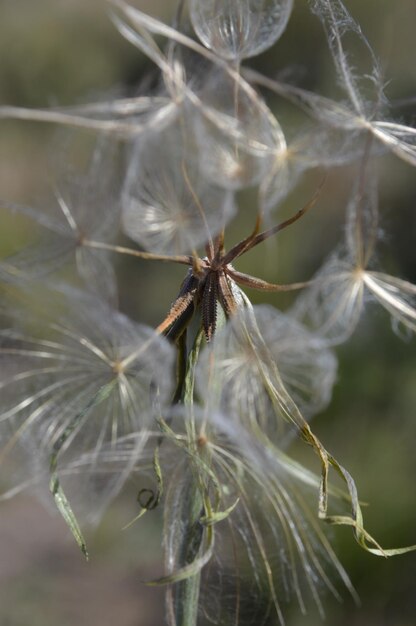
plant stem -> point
(186, 592)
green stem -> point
(186, 592)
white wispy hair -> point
(75, 376)
(124, 118)
(226, 158)
(132, 116)
(86, 206)
(259, 546)
(335, 301)
(255, 134)
(255, 543)
(234, 374)
(366, 100)
(168, 205)
(236, 31)
(338, 22)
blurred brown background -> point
(59, 52)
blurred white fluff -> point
(243, 135)
(168, 206)
(86, 207)
(335, 301)
(79, 380)
(237, 30)
(265, 551)
(338, 23)
(247, 145)
(124, 117)
(365, 104)
(258, 350)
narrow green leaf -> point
(214, 518)
(189, 570)
(65, 510)
(59, 496)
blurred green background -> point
(59, 52)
